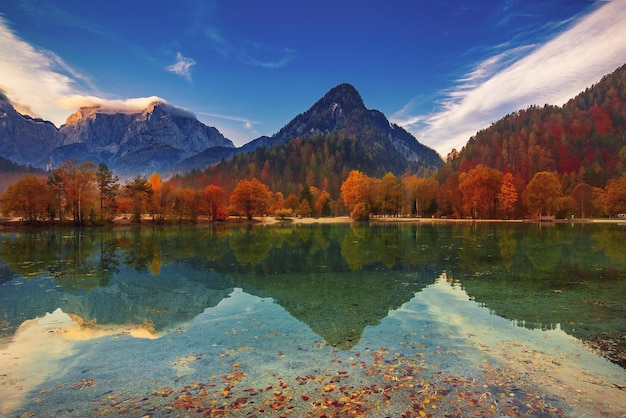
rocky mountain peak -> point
(130, 138)
(84, 112)
(342, 109)
(344, 98)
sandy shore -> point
(270, 220)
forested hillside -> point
(323, 161)
(584, 141)
(320, 147)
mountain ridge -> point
(154, 138)
(341, 109)
(164, 138)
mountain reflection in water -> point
(337, 279)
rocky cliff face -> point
(153, 139)
(156, 138)
(24, 140)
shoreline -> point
(16, 223)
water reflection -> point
(336, 279)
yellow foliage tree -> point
(543, 193)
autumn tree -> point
(389, 195)
(422, 194)
(278, 203)
(543, 193)
(188, 204)
(322, 204)
(508, 196)
(214, 200)
(108, 186)
(582, 195)
(139, 191)
(479, 189)
(77, 181)
(29, 198)
(55, 184)
(598, 202)
(615, 199)
(448, 197)
(291, 202)
(357, 193)
(161, 199)
(304, 209)
(250, 198)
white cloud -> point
(73, 102)
(552, 73)
(40, 84)
(182, 66)
(34, 78)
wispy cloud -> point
(34, 78)
(247, 122)
(515, 79)
(262, 55)
(40, 84)
(249, 52)
(182, 66)
(238, 129)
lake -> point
(488, 319)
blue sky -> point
(442, 69)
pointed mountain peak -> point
(326, 115)
(83, 112)
(345, 96)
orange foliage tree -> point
(582, 195)
(214, 200)
(615, 198)
(29, 198)
(448, 197)
(187, 204)
(250, 198)
(357, 194)
(508, 196)
(479, 188)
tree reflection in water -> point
(338, 279)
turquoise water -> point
(322, 320)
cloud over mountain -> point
(525, 75)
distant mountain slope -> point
(24, 140)
(584, 141)
(320, 146)
(152, 139)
